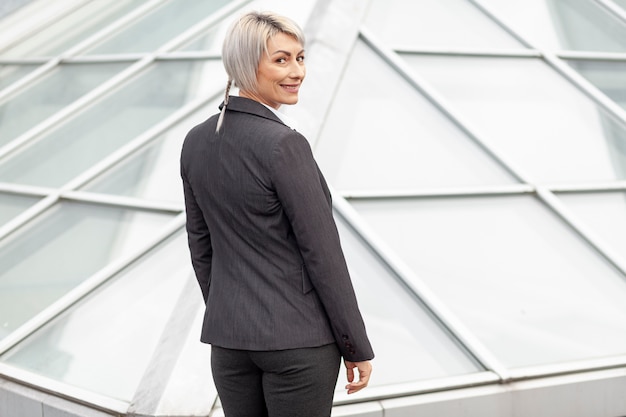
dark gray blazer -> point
(263, 241)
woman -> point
(280, 307)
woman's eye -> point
(281, 60)
(301, 58)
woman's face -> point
(280, 72)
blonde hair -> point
(245, 41)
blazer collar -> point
(246, 105)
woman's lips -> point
(292, 88)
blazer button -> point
(348, 345)
(352, 351)
(344, 337)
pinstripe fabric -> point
(263, 241)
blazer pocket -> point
(306, 281)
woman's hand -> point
(365, 370)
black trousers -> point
(283, 383)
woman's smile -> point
(280, 73)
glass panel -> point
(59, 250)
(73, 28)
(604, 212)
(397, 325)
(11, 73)
(12, 204)
(621, 3)
(608, 76)
(388, 136)
(114, 121)
(532, 115)
(159, 27)
(72, 350)
(114, 331)
(522, 281)
(212, 40)
(50, 94)
(190, 389)
(435, 24)
(7, 6)
(580, 25)
(153, 173)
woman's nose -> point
(297, 70)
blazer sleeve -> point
(198, 237)
(305, 201)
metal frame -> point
(495, 371)
(448, 321)
(497, 53)
(87, 286)
(613, 9)
(418, 387)
(438, 192)
(49, 17)
(92, 40)
(543, 193)
(42, 384)
(51, 196)
(78, 293)
(439, 102)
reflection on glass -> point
(12, 204)
(62, 248)
(64, 33)
(608, 76)
(381, 133)
(605, 213)
(154, 172)
(580, 25)
(11, 73)
(211, 41)
(532, 115)
(7, 8)
(105, 342)
(524, 283)
(397, 325)
(430, 23)
(159, 27)
(50, 94)
(191, 378)
(127, 112)
(621, 3)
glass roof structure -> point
(477, 154)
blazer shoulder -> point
(200, 133)
(285, 137)
(203, 128)
(290, 153)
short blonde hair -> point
(247, 39)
